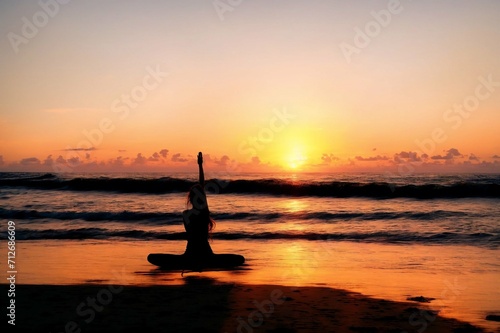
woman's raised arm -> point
(200, 168)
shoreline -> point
(205, 305)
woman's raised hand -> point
(200, 158)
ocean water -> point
(431, 235)
(433, 210)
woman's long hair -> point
(198, 200)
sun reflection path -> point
(295, 205)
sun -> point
(296, 158)
(296, 149)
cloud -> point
(1, 160)
(328, 158)
(454, 152)
(74, 161)
(140, 159)
(485, 165)
(118, 162)
(473, 157)
(441, 157)
(450, 155)
(122, 150)
(177, 158)
(164, 153)
(30, 161)
(407, 156)
(223, 161)
(80, 149)
(71, 110)
(255, 160)
(207, 158)
(154, 158)
(48, 161)
(371, 159)
(60, 160)
(85, 160)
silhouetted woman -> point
(197, 220)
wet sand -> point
(204, 305)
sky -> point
(258, 86)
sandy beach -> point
(203, 305)
(291, 292)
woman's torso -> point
(196, 225)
